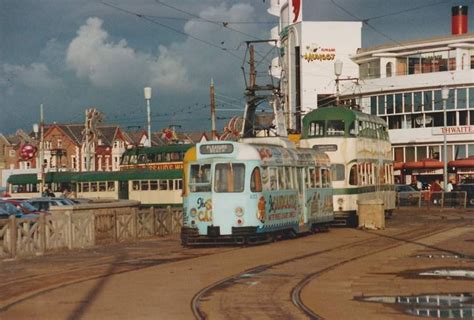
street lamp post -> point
(147, 92)
(444, 97)
(40, 128)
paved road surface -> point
(158, 279)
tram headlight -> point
(240, 221)
(239, 211)
(340, 201)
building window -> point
(417, 102)
(60, 143)
(470, 150)
(459, 151)
(407, 102)
(381, 105)
(12, 153)
(414, 66)
(421, 153)
(428, 102)
(390, 104)
(373, 105)
(461, 98)
(410, 153)
(388, 69)
(398, 103)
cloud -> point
(35, 76)
(93, 56)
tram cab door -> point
(123, 190)
(228, 195)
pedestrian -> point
(435, 191)
(449, 187)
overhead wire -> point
(172, 29)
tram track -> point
(20, 289)
(383, 243)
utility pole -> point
(41, 155)
(213, 112)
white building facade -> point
(402, 83)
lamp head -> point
(147, 92)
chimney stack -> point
(459, 20)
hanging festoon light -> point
(27, 152)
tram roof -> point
(32, 178)
(65, 177)
(158, 149)
(342, 113)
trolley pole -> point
(213, 111)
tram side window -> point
(178, 184)
(153, 184)
(110, 186)
(265, 178)
(200, 178)
(335, 128)
(229, 177)
(142, 158)
(316, 129)
(144, 185)
(353, 175)
(85, 187)
(281, 179)
(256, 180)
(133, 159)
(353, 129)
(170, 184)
(288, 177)
(163, 184)
(325, 178)
(102, 187)
(135, 185)
(273, 178)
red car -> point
(24, 206)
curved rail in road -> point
(401, 238)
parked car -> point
(407, 195)
(45, 203)
(8, 209)
(24, 206)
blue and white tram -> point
(249, 193)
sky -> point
(70, 55)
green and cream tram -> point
(360, 151)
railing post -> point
(70, 229)
(115, 226)
(169, 220)
(93, 235)
(42, 232)
(135, 223)
(13, 235)
(153, 216)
